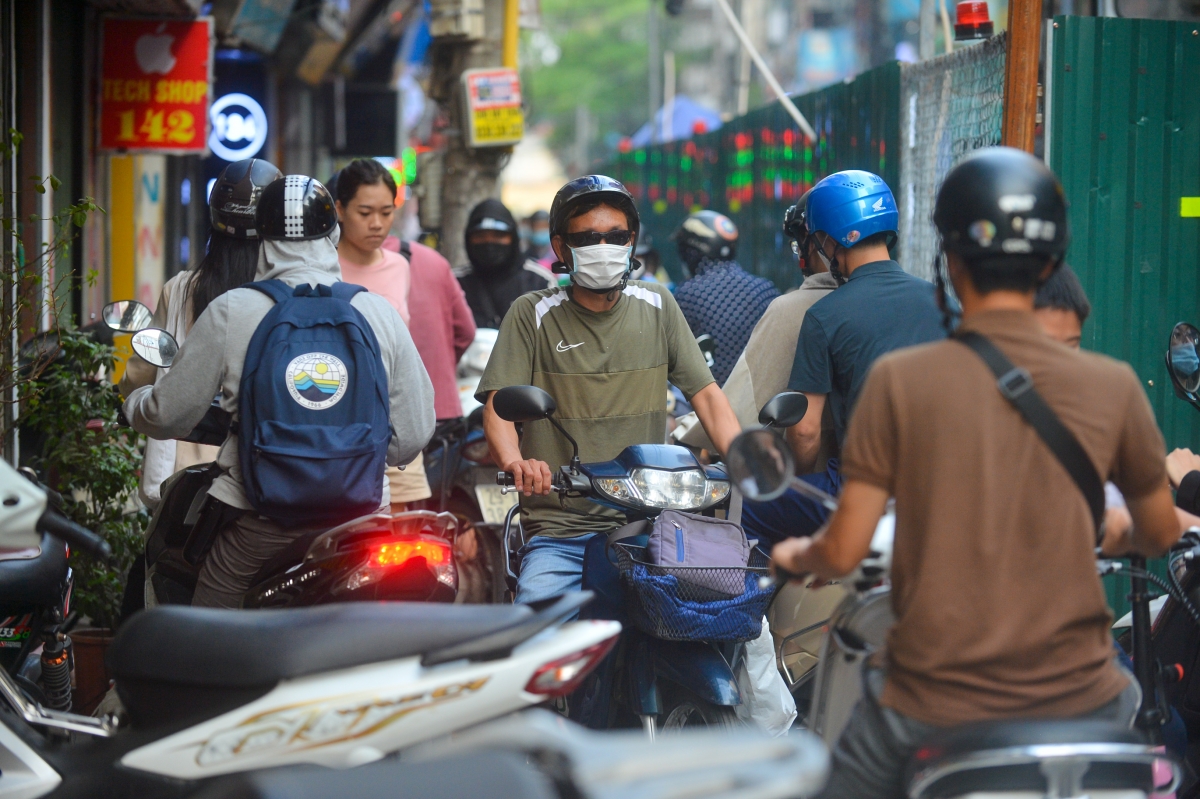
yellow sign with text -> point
(494, 108)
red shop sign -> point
(155, 84)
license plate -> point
(493, 504)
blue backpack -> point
(314, 422)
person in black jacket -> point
(498, 273)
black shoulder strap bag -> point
(1016, 384)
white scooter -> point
(210, 692)
(1004, 760)
(541, 755)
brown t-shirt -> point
(999, 611)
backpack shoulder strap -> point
(1016, 384)
(275, 289)
(345, 291)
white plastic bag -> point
(766, 700)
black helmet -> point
(795, 219)
(296, 208)
(592, 188)
(710, 234)
(235, 194)
(1000, 203)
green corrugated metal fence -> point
(1125, 140)
(755, 166)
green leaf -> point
(55, 182)
(40, 189)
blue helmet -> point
(851, 206)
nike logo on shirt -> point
(563, 347)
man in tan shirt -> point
(763, 368)
(999, 611)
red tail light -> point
(397, 553)
(561, 677)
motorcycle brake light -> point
(561, 677)
(397, 553)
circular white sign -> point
(317, 380)
(239, 127)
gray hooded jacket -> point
(212, 357)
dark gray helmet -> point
(710, 234)
(235, 194)
(592, 188)
(296, 208)
(1000, 206)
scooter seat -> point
(1010, 756)
(173, 663)
(35, 581)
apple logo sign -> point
(153, 51)
(239, 127)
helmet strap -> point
(940, 279)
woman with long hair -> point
(366, 205)
(231, 261)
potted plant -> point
(69, 411)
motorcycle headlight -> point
(660, 489)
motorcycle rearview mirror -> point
(784, 409)
(760, 464)
(155, 347)
(1183, 362)
(127, 316)
(530, 404)
(523, 404)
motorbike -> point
(1059, 758)
(209, 692)
(384, 556)
(540, 755)
(660, 677)
(460, 471)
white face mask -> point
(600, 267)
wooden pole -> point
(1021, 73)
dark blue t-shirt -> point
(880, 308)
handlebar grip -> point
(504, 479)
(74, 535)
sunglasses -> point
(590, 238)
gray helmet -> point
(710, 234)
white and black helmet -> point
(296, 208)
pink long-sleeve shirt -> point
(442, 326)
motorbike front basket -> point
(694, 603)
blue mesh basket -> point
(694, 603)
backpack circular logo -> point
(317, 380)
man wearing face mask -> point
(539, 239)
(498, 272)
(604, 348)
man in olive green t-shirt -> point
(604, 348)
